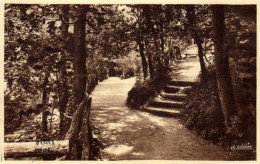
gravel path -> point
(129, 134)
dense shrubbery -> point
(203, 111)
(203, 114)
(143, 91)
(12, 119)
(138, 95)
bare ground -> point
(129, 134)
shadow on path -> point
(129, 134)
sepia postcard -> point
(129, 81)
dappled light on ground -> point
(118, 149)
(156, 120)
(129, 134)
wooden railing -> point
(79, 134)
(75, 146)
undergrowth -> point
(145, 90)
(202, 110)
(202, 113)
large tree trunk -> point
(79, 55)
(80, 73)
(63, 85)
(222, 65)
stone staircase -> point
(171, 100)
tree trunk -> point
(222, 65)
(79, 55)
(190, 16)
(165, 56)
(140, 43)
(162, 37)
(141, 50)
(151, 69)
(200, 54)
(158, 56)
(63, 85)
(150, 25)
(44, 102)
(80, 73)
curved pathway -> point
(128, 134)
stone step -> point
(174, 96)
(175, 89)
(166, 103)
(166, 112)
(171, 89)
(181, 83)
